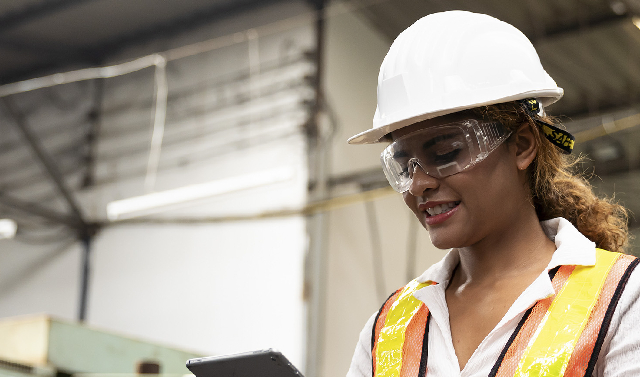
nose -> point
(421, 182)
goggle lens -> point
(440, 151)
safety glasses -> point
(440, 151)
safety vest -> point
(559, 336)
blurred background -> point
(176, 180)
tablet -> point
(264, 363)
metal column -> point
(315, 269)
(86, 269)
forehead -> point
(439, 121)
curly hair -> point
(557, 190)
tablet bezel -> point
(265, 363)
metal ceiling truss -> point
(76, 220)
(47, 162)
(192, 21)
(39, 211)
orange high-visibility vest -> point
(558, 336)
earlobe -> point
(526, 146)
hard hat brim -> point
(374, 135)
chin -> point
(439, 243)
(445, 241)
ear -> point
(525, 145)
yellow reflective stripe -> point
(550, 348)
(391, 337)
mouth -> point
(439, 209)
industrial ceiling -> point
(590, 47)
(43, 36)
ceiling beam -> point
(189, 22)
(47, 162)
(610, 107)
(317, 4)
(95, 55)
(563, 30)
(40, 211)
(36, 10)
(47, 67)
(46, 51)
(57, 57)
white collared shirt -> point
(620, 353)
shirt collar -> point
(572, 248)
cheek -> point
(410, 201)
(499, 188)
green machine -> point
(41, 346)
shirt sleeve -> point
(361, 361)
(621, 351)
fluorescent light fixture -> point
(8, 228)
(636, 21)
(155, 202)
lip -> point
(437, 219)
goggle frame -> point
(488, 136)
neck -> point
(521, 248)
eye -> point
(447, 153)
(444, 154)
(447, 157)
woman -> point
(528, 288)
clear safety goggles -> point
(440, 151)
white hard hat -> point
(452, 61)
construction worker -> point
(535, 283)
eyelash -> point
(447, 157)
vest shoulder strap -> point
(399, 336)
(562, 335)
